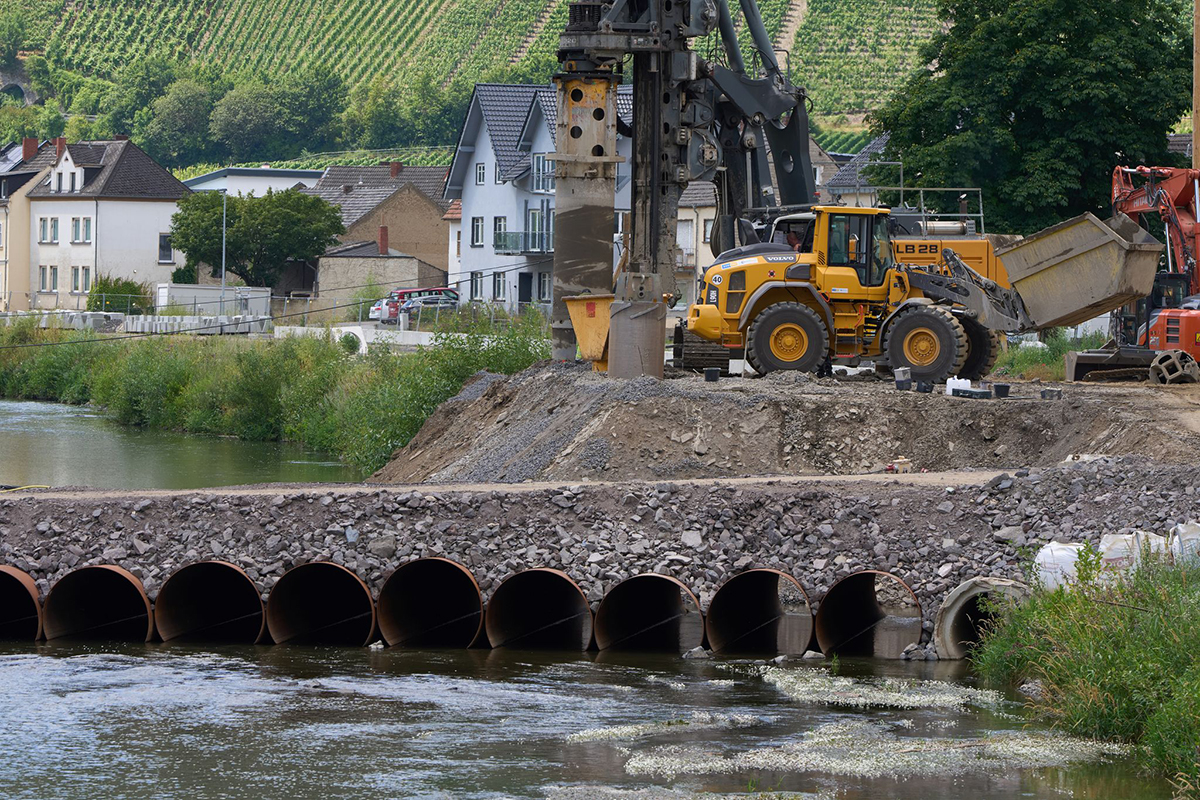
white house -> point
(105, 207)
(503, 176)
(244, 180)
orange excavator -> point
(1159, 333)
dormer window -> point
(59, 189)
(72, 181)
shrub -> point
(1116, 658)
(119, 294)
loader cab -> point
(853, 238)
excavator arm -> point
(1166, 191)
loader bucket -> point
(1081, 268)
(590, 319)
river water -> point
(159, 721)
(50, 444)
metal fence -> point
(300, 311)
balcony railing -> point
(521, 242)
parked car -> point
(418, 305)
(399, 297)
(376, 311)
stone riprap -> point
(932, 537)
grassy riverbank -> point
(1117, 660)
(308, 390)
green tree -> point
(261, 233)
(138, 84)
(311, 104)
(12, 36)
(177, 132)
(50, 122)
(247, 120)
(1036, 101)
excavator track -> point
(692, 353)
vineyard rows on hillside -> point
(852, 53)
(849, 53)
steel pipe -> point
(869, 613)
(20, 609)
(210, 601)
(760, 611)
(964, 614)
(539, 608)
(649, 612)
(430, 602)
(102, 602)
(321, 603)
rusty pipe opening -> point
(539, 608)
(98, 602)
(760, 611)
(430, 602)
(649, 612)
(869, 613)
(321, 603)
(209, 601)
(20, 611)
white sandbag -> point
(1185, 542)
(1126, 550)
(1056, 564)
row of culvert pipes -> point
(436, 602)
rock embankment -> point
(931, 537)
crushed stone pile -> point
(560, 422)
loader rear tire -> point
(929, 340)
(983, 349)
(787, 336)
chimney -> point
(120, 137)
(29, 148)
(383, 240)
(396, 166)
(60, 145)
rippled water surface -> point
(51, 444)
(281, 722)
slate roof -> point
(699, 193)
(505, 107)
(361, 250)
(1179, 143)
(123, 170)
(359, 190)
(849, 176)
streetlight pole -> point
(224, 197)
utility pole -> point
(224, 197)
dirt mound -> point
(564, 422)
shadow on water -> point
(182, 721)
(57, 445)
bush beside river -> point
(303, 389)
(1112, 657)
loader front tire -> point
(983, 348)
(787, 336)
(929, 340)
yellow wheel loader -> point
(839, 289)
